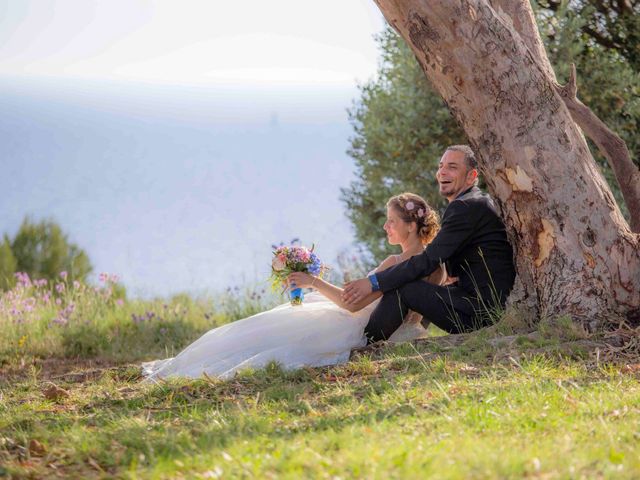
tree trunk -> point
(520, 14)
(574, 251)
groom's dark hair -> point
(469, 156)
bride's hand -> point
(355, 291)
(449, 281)
(300, 280)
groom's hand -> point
(356, 291)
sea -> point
(178, 188)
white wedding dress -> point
(317, 333)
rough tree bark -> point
(520, 15)
(575, 253)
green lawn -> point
(401, 412)
(493, 404)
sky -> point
(191, 41)
(147, 128)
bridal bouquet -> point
(288, 259)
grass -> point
(407, 414)
(451, 407)
(64, 320)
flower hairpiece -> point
(420, 213)
(409, 206)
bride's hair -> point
(413, 208)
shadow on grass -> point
(115, 422)
(178, 419)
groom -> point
(472, 243)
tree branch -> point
(625, 6)
(610, 145)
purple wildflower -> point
(28, 304)
(23, 279)
(68, 310)
(63, 275)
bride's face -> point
(397, 229)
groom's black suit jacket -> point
(473, 244)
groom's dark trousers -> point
(473, 245)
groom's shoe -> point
(409, 331)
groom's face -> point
(454, 175)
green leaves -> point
(8, 265)
(401, 128)
(41, 250)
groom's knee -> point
(417, 294)
(426, 299)
(386, 318)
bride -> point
(322, 331)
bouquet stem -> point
(296, 295)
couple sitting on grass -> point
(408, 290)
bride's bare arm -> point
(333, 292)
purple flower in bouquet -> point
(315, 267)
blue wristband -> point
(375, 286)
